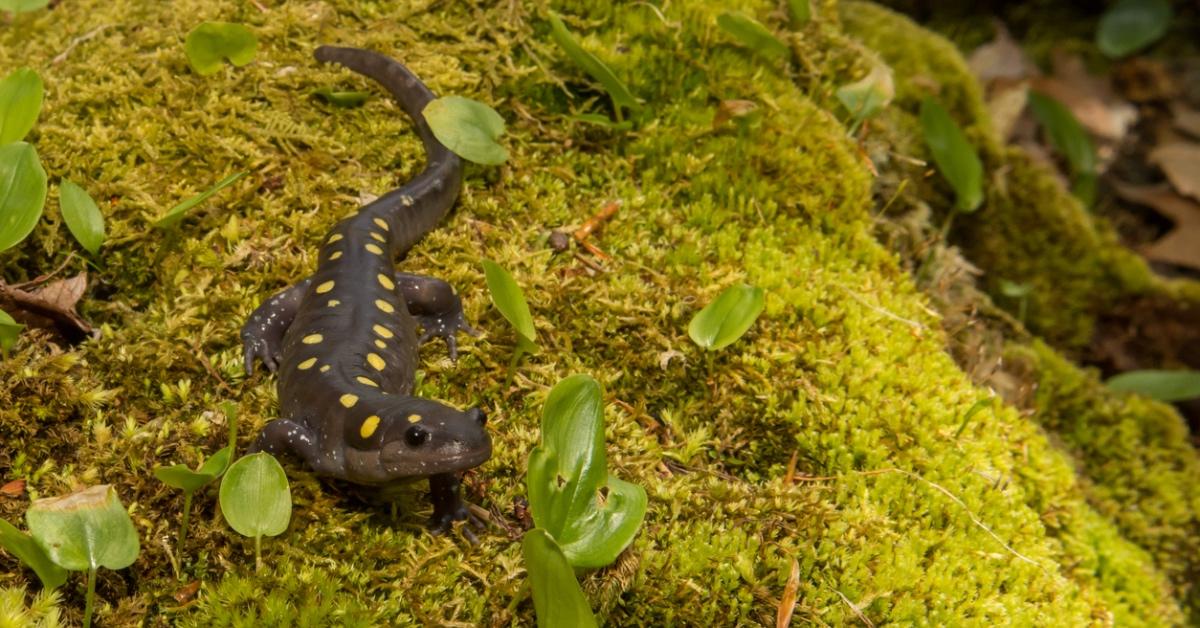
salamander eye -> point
(416, 436)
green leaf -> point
(210, 43)
(869, 95)
(800, 11)
(603, 121)
(956, 159)
(218, 463)
(9, 331)
(1161, 385)
(83, 217)
(20, 103)
(620, 95)
(592, 515)
(1066, 133)
(22, 6)
(508, 298)
(22, 192)
(84, 530)
(752, 34)
(32, 555)
(723, 321)
(1130, 25)
(468, 128)
(182, 477)
(176, 213)
(342, 99)
(557, 598)
(255, 497)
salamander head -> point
(427, 438)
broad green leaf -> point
(800, 12)
(1066, 133)
(869, 95)
(508, 298)
(22, 6)
(1161, 385)
(83, 217)
(752, 34)
(218, 463)
(468, 128)
(32, 555)
(210, 43)
(176, 213)
(10, 330)
(255, 497)
(84, 530)
(22, 192)
(592, 515)
(342, 99)
(182, 477)
(621, 96)
(724, 320)
(557, 598)
(1130, 25)
(20, 103)
(956, 159)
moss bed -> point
(1066, 505)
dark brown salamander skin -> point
(344, 341)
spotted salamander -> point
(344, 341)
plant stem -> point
(512, 364)
(258, 553)
(183, 525)
(90, 603)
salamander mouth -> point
(410, 468)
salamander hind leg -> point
(262, 335)
(437, 307)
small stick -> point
(594, 223)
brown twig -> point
(592, 224)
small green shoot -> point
(620, 95)
(256, 499)
(1168, 386)
(210, 43)
(22, 6)
(956, 159)
(557, 598)
(603, 121)
(82, 216)
(468, 128)
(84, 531)
(230, 410)
(32, 555)
(182, 477)
(20, 103)
(1070, 139)
(10, 330)
(800, 12)
(508, 298)
(592, 515)
(727, 318)
(342, 99)
(24, 194)
(1130, 25)
(867, 96)
(176, 213)
(752, 34)
(1020, 292)
(975, 408)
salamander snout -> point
(478, 416)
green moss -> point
(897, 518)
(41, 612)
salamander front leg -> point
(436, 307)
(448, 505)
(285, 436)
(262, 335)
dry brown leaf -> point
(13, 488)
(730, 109)
(1000, 58)
(1180, 161)
(64, 293)
(1006, 104)
(51, 306)
(1090, 98)
(1186, 119)
(787, 601)
(188, 591)
(1181, 245)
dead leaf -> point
(188, 591)
(1181, 245)
(1186, 119)
(13, 489)
(787, 601)
(1006, 104)
(51, 306)
(730, 109)
(1001, 58)
(1090, 98)
(1180, 161)
(64, 293)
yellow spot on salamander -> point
(374, 248)
(349, 400)
(368, 426)
(374, 360)
(385, 306)
(325, 368)
(382, 223)
(334, 255)
(381, 344)
(366, 381)
(325, 287)
(334, 303)
(312, 339)
(414, 418)
(334, 238)
(386, 282)
(307, 364)
(383, 332)
(378, 237)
